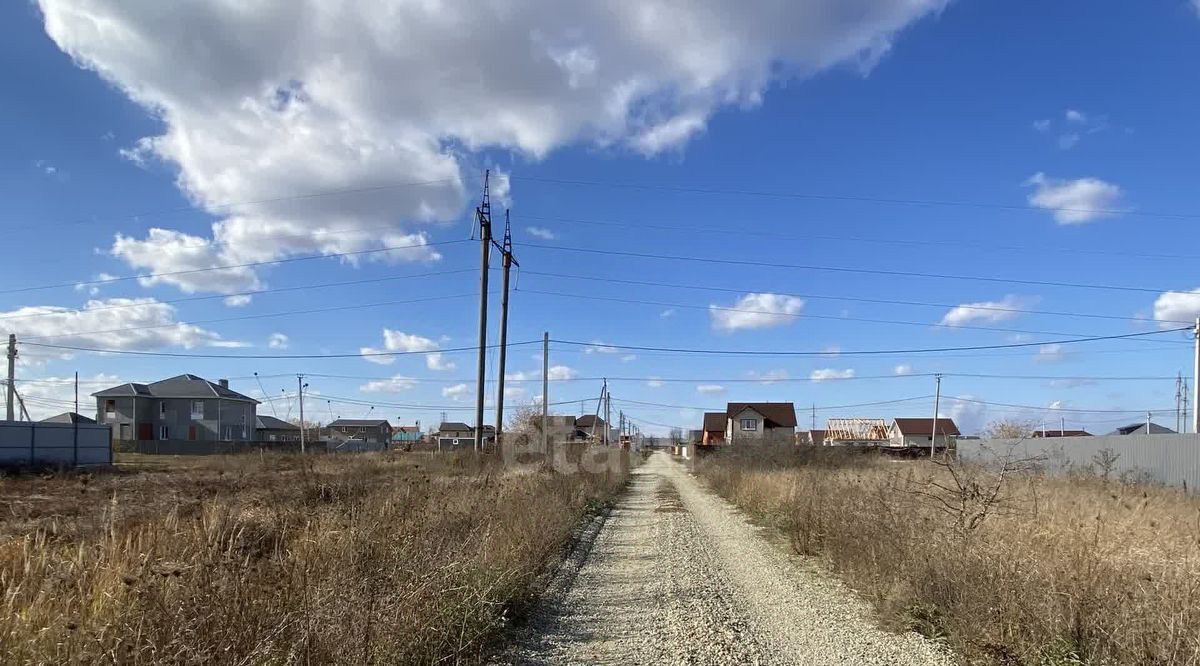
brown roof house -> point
(1059, 432)
(760, 421)
(714, 428)
(918, 433)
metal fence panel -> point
(1169, 459)
(36, 443)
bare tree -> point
(970, 493)
(1011, 428)
(526, 419)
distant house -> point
(271, 429)
(68, 418)
(917, 433)
(406, 435)
(455, 433)
(1142, 429)
(590, 427)
(714, 428)
(856, 432)
(375, 431)
(185, 407)
(559, 428)
(761, 421)
(811, 437)
(1062, 433)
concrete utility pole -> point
(76, 392)
(484, 215)
(1196, 380)
(12, 370)
(937, 398)
(545, 391)
(506, 251)
(607, 413)
(300, 383)
(1062, 426)
(1148, 424)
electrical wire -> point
(849, 198)
(802, 315)
(871, 352)
(130, 352)
(840, 269)
(852, 299)
(251, 264)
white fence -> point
(1169, 459)
(36, 443)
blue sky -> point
(123, 119)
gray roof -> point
(1140, 429)
(182, 386)
(453, 426)
(359, 423)
(68, 417)
(263, 422)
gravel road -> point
(676, 575)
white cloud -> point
(598, 347)
(1075, 201)
(968, 416)
(1196, 6)
(438, 361)
(665, 314)
(513, 392)
(277, 341)
(230, 344)
(113, 323)
(827, 374)
(1042, 125)
(1073, 127)
(238, 301)
(1050, 354)
(399, 341)
(770, 376)
(1177, 306)
(986, 311)
(293, 97)
(756, 311)
(390, 385)
(1076, 117)
(541, 232)
(902, 369)
(558, 373)
(629, 358)
(456, 392)
(832, 351)
(709, 389)
(654, 382)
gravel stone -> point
(677, 575)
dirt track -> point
(676, 575)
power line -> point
(838, 269)
(222, 267)
(266, 315)
(236, 204)
(800, 315)
(853, 299)
(128, 352)
(851, 198)
(255, 292)
(1060, 409)
(740, 230)
(871, 352)
(818, 408)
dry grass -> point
(375, 558)
(1066, 570)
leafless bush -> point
(375, 558)
(1008, 565)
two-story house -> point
(186, 407)
(375, 431)
(760, 421)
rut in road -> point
(676, 575)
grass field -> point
(1012, 568)
(374, 558)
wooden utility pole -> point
(483, 214)
(509, 261)
(545, 391)
(12, 371)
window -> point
(749, 424)
(124, 432)
(162, 410)
(110, 407)
(162, 432)
(197, 409)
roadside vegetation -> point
(1005, 564)
(374, 558)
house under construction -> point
(857, 432)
